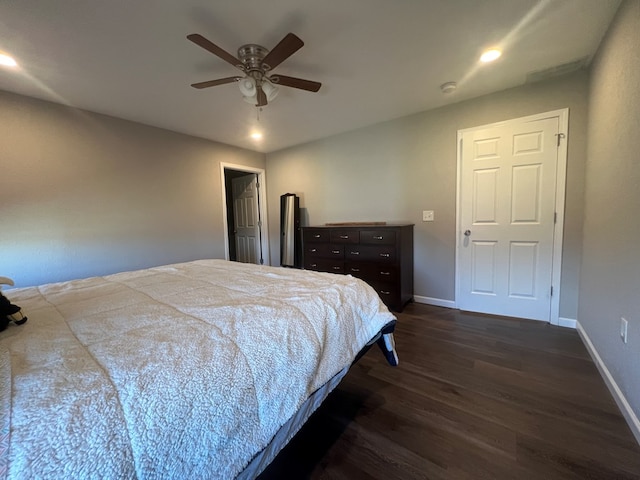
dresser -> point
(381, 255)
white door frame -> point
(262, 207)
(561, 176)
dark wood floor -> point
(474, 397)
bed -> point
(202, 369)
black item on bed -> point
(7, 312)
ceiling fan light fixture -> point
(269, 89)
(248, 87)
(253, 100)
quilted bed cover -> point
(181, 371)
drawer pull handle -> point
(384, 292)
(336, 268)
(313, 250)
(377, 237)
(355, 269)
(336, 252)
(317, 235)
(354, 253)
(344, 237)
(314, 265)
(385, 255)
(385, 273)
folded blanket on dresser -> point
(182, 371)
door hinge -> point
(555, 217)
(552, 290)
(559, 136)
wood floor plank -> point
(475, 396)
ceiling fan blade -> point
(262, 97)
(216, 50)
(213, 83)
(294, 82)
(289, 45)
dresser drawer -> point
(323, 250)
(324, 265)
(345, 236)
(315, 235)
(372, 272)
(378, 237)
(372, 253)
(388, 293)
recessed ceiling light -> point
(490, 55)
(7, 61)
(256, 135)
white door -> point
(246, 221)
(507, 214)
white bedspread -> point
(182, 371)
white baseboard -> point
(567, 322)
(618, 396)
(438, 302)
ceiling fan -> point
(258, 85)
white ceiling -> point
(376, 59)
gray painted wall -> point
(610, 274)
(84, 194)
(394, 170)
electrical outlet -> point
(427, 216)
(624, 324)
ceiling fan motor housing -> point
(251, 56)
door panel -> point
(485, 195)
(245, 212)
(522, 269)
(507, 203)
(525, 194)
(483, 268)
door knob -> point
(467, 233)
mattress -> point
(191, 370)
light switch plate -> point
(427, 216)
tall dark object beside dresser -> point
(290, 237)
(381, 255)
